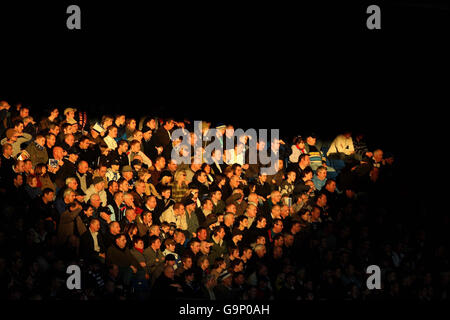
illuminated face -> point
(70, 140)
(113, 133)
(311, 141)
(19, 128)
(322, 174)
(132, 125)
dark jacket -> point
(87, 245)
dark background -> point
(297, 67)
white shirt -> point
(341, 144)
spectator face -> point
(305, 161)
(73, 184)
(120, 120)
(179, 237)
(261, 252)
(331, 187)
(221, 233)
(378, 155)
(217, 196)
(129, 201)
(131, 215)
(244, 223)
(113, 133)
(135, 147)
(70, 115)
(251, 212)
(28, 166)
(188, 263)
(205, 264)
(208, 206)
(58, 153)
(140, 188)
(19, 128)
(71, 197)
(247, 254)
(102, 171)
(202, 177)
(33, 183)
(139, 244)
(55, 130)
(195, 247)
(315, 214)
(276, 212)
(49, 196)
(123, 147)
(51, 140)
(166, 194)
(263, 178)
(151, 203)
(95, 201)
(54, 113)
(121, 242)
(322, 201)
(100, 186)
(322, 174)
(202, 234)
(8, 151)
(95, 226)
(18, 180)
(40, 141)
(278, 227)
(276, 197)
(289, 240)
(124, 186)
(83, 167)
(284, 211)
(311, 141)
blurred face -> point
(140, 188)
(276, 197)
(54, 113)
(124, 186)
(311, 141)
(195, 247)
(40, 141)
(121, 242)
(113, 133)
(95, 201)
(151, 203)
(139, 244)
(263, 178)
(202, 234)
(70, 140)
(120, 120)
(276, 211)
(331, 187)
(208, 206)
(315, 214)
(322, 174)
(28, 165)
(132, 125)
(71, 197)
(19, 128)
(33, 183)
(8, 151)
(115, 228)
(95, 226)
(166, 194)
(49, 196)
(278, 227)
(251, 212)
(70, 114)
(83, 167)
(378, 156)
(188, 263)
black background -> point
(296, 66)
(291, 66)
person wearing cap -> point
(37, 151)
(97, 187)
(191, 216)
(69, 113)
(16, 138)
(113, 173)
(224, 291)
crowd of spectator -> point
(106, 195)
